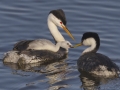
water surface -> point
(27, 19)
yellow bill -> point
(68, 32)
(77, 45)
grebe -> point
(43, 49)
(55, 18)
(92, 62)
(43, 55)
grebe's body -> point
(43, 49)
(34, 56)
(93, 62)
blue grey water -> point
(27, 19)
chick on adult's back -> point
(93, 62)
(42, 50)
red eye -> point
(61, 22)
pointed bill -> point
(77, 45)
(68, 32)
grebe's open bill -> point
(77, 45)
(68, 32)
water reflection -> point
(92, 82)
(54, 72)
(89, 82)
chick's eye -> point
(67, 43)
(60, 22)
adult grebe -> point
(43, 55)
(42, 49)
(93, 62)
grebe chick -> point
(93, 62)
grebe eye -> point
(61, 22)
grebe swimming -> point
(43, 49)
(43, 55)
(93, 62)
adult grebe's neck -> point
(89, 49)
(54, 30)
(93, 45)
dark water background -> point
(27, 19)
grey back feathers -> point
(22, 45)
(90, 61)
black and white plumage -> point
(55, 18)
(35, 48)
(34, 56)
(93, 62)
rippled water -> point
(27, 19)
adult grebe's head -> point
(90, 39)
(58, 18)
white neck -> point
(89, 42)
(54, 30)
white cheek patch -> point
(89, 42)
(86, 42)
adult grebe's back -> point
(93, 62)
(43, 55)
